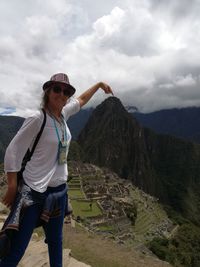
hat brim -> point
(50, 83)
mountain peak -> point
(111, 103)
(112, 100)
(108, 115)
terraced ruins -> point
(106, 204)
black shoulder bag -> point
(29, 152)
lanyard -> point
(65, 132)
(62, 144)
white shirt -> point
(43, 169)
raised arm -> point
(85, 97)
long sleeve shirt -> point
(43, 169)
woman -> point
(43, 194)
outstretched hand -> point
(85, 97)
(106, 88)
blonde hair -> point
(45, 98)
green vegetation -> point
(106, 228)
(176, 164)
(74, 151)
(182, 249)
(82, 208)
(131, 212)
(75, 193)
(149, 213)
(176, 217)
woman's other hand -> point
(9, 197)
(11, 190)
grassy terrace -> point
(81, 207)
(147, 219)
(107, 228)
(74, 193)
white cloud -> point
(110, 24)
(185, 81)
(147, 50)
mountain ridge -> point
(179, 122)
(9, 125)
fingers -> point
(107, 89)
(8, 199)
(110, 91)
(6, 202)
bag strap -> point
(38, 135)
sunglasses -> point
(58, 89)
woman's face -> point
(58, 96)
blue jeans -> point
(52, 229)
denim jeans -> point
(52, 229)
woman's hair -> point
(45, 98)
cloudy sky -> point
(147, 50)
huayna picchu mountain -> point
(162, 165)
(114, 139)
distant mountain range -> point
(184, 122)
(77, 122)
(9, 125)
